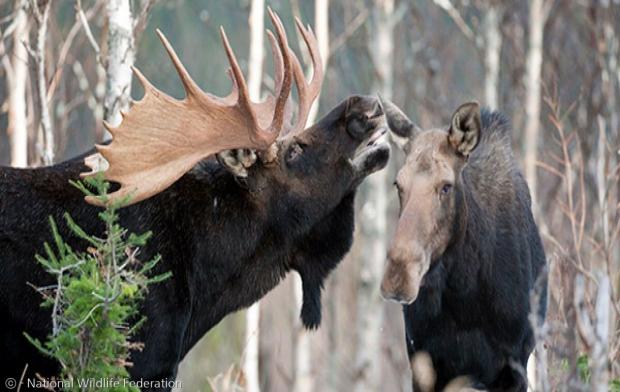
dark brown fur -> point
(226, 240)
(465, 262)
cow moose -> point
(466, 254)
(228, 228)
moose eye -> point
(445, 189)
(358, 126)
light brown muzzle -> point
(406, 266)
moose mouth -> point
(376, 140)
(373, 153)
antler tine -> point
(307, 91)
(284, 88)
(143, 80)
(278, 65)
(239, 83)
(315, 55)
(191, 88)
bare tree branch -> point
(84, 21)
(447, 6)
(350, 29)
(66, 46)
(142, 18)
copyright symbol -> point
(10, 383)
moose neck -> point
(470, 223)
(243, 243)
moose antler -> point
(307, 91)
(161, 138)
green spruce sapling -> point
(96, 298)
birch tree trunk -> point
(534, 61)
(492, 53)
(368, 359)
(120, 57)
(610, 75)
(304, 381)
(303, 348)
(609, 135)
(46, 146)
(537, 19)
(16, 84)
(255, 65)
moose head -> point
(321, 163)
(171, 136)
(285, 178)
(430, 190)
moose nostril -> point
(388, 296)
(387, 290)
(395, 296)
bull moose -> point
(228, 229)
(466, 254)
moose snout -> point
(403, 275)
(364, 116)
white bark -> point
(600, 351)
(120, 57)
(40, 11)
(537, 366)
(255, 72)
(250, 358)
(16, 84)
(321, 26)
(611, 68)
(255, 62)
(534, 58)
(533, 86)
(304, 381)
(303, 349)
(532, 123)
(368, 361)
(492, 52)
(594, 331)
(608, 194)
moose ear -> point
(464, 132)
(398, 121)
